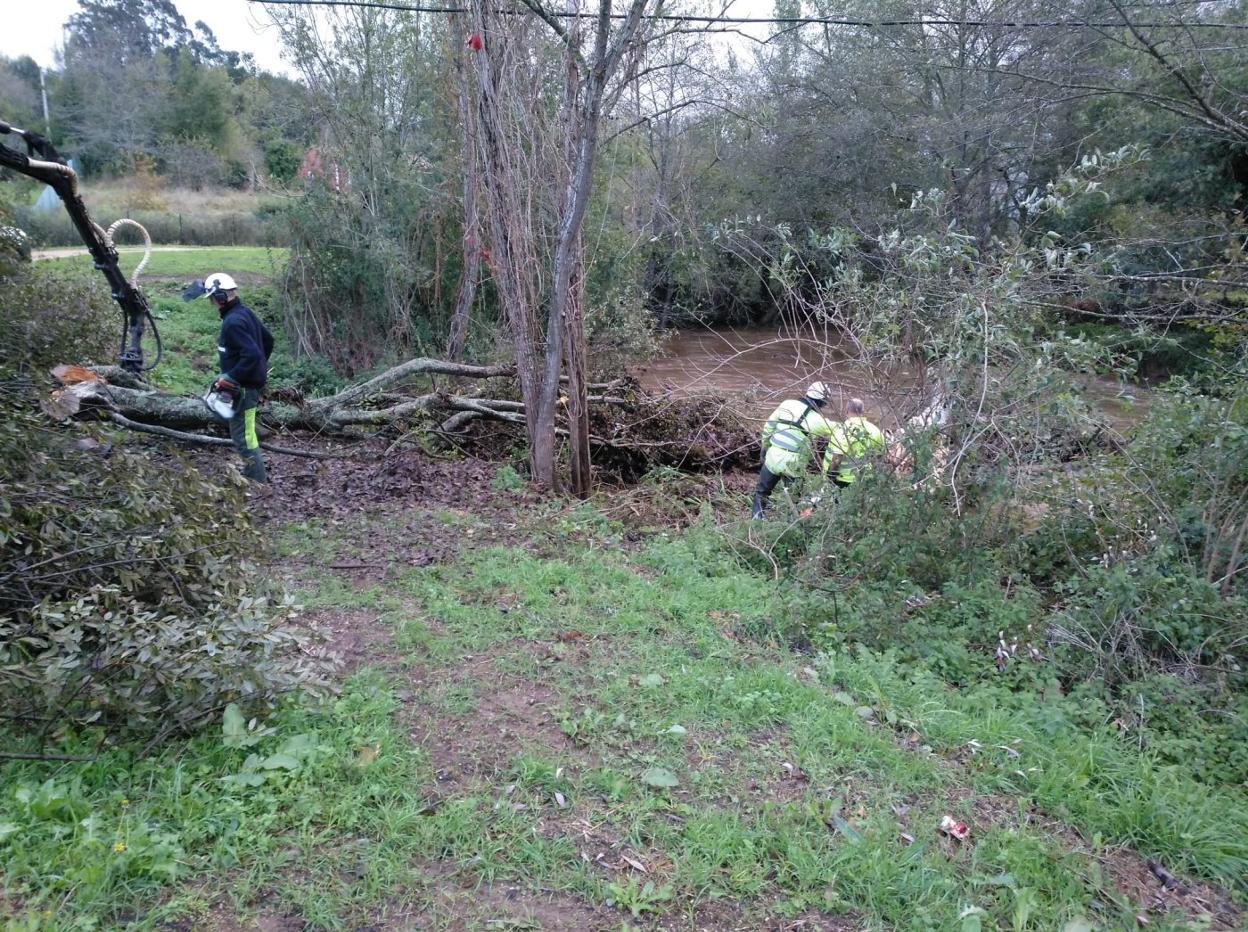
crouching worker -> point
(851, 445)
(788, 442)
(243, 348)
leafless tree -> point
(472, 244)
(515, 140)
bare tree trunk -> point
(472, 245)
(583, 123)
(512, 254)
(511, 225)
(578, 389)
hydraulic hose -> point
(42, 162)
(134, 280)
(160, 347)
(147, 244)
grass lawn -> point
(186, 263)
(562, 727)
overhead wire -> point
(781, 20)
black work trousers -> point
(767, 481)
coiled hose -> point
(134, 278)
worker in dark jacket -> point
(243, 348)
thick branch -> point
(206, 440)
(420, 366)
(1216, 116)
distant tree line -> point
(136, 89)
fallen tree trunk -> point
(121, 393)
(150, 406)
(631, 431)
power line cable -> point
(780, 20)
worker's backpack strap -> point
(791, 435)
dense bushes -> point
(54, 315)
(1107, 591)
(129, 595)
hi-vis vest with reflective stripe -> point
(855, 440)
(788, 433)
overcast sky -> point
(34, 28)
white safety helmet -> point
(218, 282)
(817, 392)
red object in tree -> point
(475, 41)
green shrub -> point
(54, 314)
(357, 288)
(128, 595)
(1191, 725)
(312, 375)
(281, 160)
(14, 249)
(1129, 613)
(506, 479)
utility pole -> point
(43, 90)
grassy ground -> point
(562, 722)
(258, 263)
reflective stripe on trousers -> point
(243, 423)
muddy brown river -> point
(761, 368)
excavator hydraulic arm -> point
(42, 162)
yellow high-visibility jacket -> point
(788, 437)
(854, 441)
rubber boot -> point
(254, 468)
(759, 505)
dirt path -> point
(65, 252)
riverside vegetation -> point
(417, 688)
(638, 710)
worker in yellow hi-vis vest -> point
(852, 445)
(788, 441)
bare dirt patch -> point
(726, 916)
(818, 922)
(223, 918)
(511, 716)
(1136, 877)
(352, 637)
(501, 906)
(399, 510)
